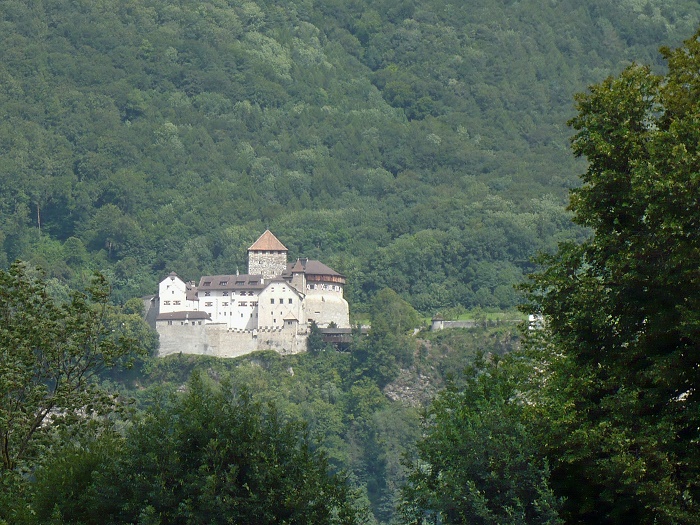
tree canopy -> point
(479, 461)
(621, 309)
(422, 140)
(210, 455)
(51, 354)
(595, 419)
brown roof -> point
(311, 267)
(268, 242)
(230, 282)
(297, 267)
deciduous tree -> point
(50, 354)
(622, 309)
(211, 455)
(479, 461)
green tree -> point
(388, 346)
(212, 455)
(50, 355)
(314, 343)
(479, 461)
(621, 310)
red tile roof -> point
(268, 242)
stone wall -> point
(218, 340)
(268, 264)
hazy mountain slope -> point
(420, 146)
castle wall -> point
(279, 301)
(268, 263)
(185, 338)
(217, 340)
(328, 308)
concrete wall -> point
(185, 338)
(439, 324)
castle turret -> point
(267, 256)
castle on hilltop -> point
(270, 307)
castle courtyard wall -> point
(217, 340)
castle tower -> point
(267, 256)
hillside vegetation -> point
(420, 146)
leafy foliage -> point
(51, 354)
(423, 141)
(625, 445)
(213, 456)
(479, 461)
(388, 348)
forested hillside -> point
(416, 145)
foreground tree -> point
(479, 461)
(622, 310)
(50, 356)
(211, 455)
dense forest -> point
(420, 146)
(421, 149)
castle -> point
(270, 307)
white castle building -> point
(272, 306)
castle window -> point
(223, 283)
(224, 304)
(206, 283)
(240, 282)
(166, 302)
(207, 294)
(272, 301)
(243, 303)
(176, 302)
(225, 294)
(254, 303)
(281, 301)
(290, 300)
(208, 303)
(170, 322)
